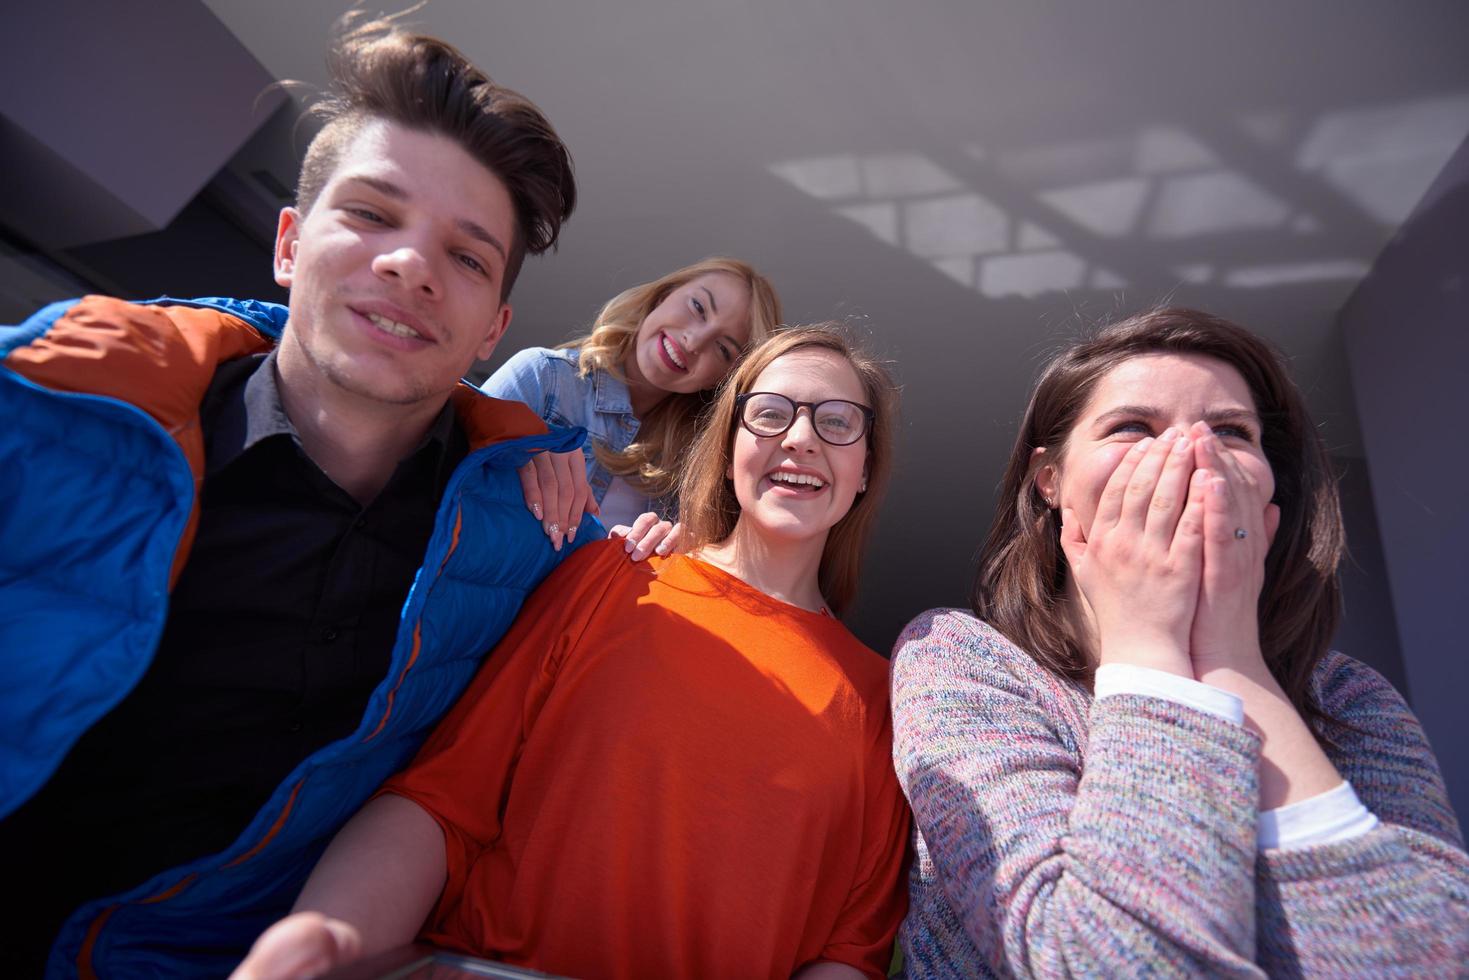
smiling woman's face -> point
(692, 339)
(795, 485)
(1141, 397)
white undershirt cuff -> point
(1327, 818)
(1151, 682)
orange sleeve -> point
(462, 774)
(868, 923)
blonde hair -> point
(651, 463)
(707, 503)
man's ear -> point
(494, 333)
(1044, 474)
(287, 238)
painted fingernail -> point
(571, 534)
(629, 546)
(662, 549)
(553, 529)
(536, 510)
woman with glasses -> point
(680, 768)
(637, 383)
(1138, 755)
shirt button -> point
(327, 636)
(295, 726)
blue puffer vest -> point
(100, 460)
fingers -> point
(1238, 506)
(645, 535)
(1172, 490)
(531, 489)
(1073, 542)
(661, 538)
(1188, 537)
(581, 495)
(556, 477)
(1138, 497)
(1109, 507)
(563, 464)
(302, 945)
(1272, 524)
(547, 488)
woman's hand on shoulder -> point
(1138, 565)
(1238, 528)
(305, 944)
(649, 534)
(556, 491)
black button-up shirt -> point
(279, 628)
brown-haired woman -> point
(676, 768)
(637, 383)
(1138, 755)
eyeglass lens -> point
(837, 422)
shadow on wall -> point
(1258, 201)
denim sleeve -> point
(529, 376)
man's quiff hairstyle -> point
(381, 71)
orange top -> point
(663, 772)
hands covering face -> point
(1173, 562)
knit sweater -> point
(1058, 835)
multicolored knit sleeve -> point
(1143, 863)
(1395, 901)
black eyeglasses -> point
(837, 422)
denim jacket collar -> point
(611, 394)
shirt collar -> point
(243, 407)
(611, 394)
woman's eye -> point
(1233, 432)
(366, 215)
(698, 307)
(1140, 428)
(727, 353)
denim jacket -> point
(547, 381)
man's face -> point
(395, 273)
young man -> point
(252, 553)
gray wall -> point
(113, 116)
(1408, 347)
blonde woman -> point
(637, 384)
(678, 768)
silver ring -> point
(1240, 534)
